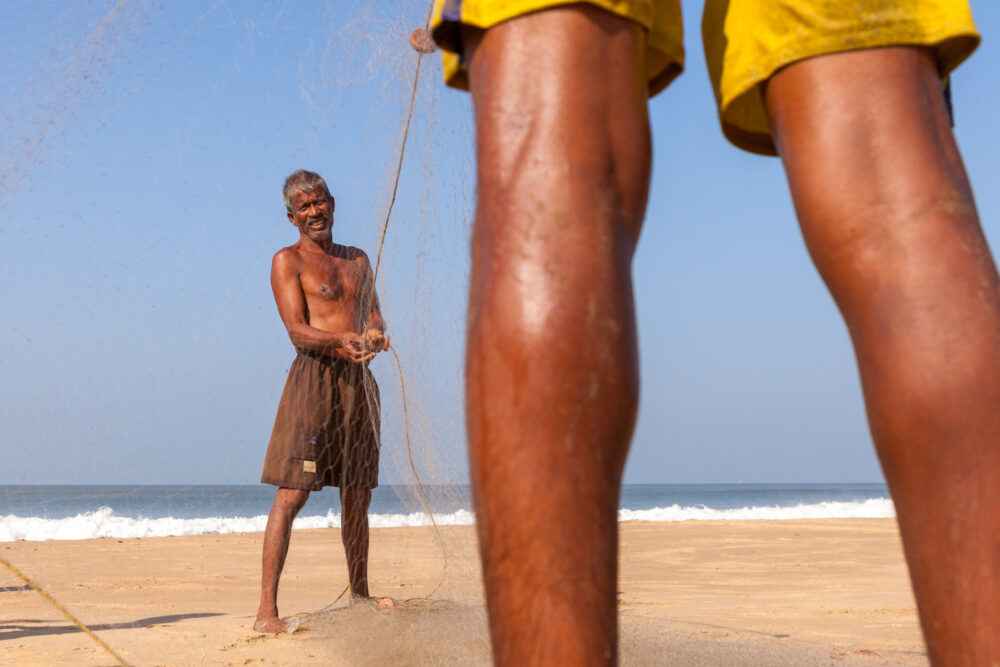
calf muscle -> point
(552, 376)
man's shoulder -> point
(287, 259)
(351, 254)
(287, 254)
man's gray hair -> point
(303, 181)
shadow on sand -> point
(20, 628)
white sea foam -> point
(873, 508)
(105, 523)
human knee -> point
(568, 142)
(899, 243)
(291, 500)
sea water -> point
(82, 512)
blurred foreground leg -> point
(888, 216)
(563, 154)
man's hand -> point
(351, 346)
(376, 340)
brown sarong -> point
(326, 432)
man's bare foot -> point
(271, 625)
(382, 605)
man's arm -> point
(291, 304)
(375, 327)
(375, 334)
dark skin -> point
(898, 242)
(320, 287)
(563, 156)
(327, 301)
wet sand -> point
(825, 592)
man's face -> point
(312, 213)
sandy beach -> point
(823, 592)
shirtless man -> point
(849, 95)
(326, 432)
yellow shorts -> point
(660, 18)
(746, 41)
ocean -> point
(82, 512)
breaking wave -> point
(105, 523)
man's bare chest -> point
(329, 281)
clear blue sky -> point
(142, 151)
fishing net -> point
(145, 147)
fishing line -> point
(420, 485)
(378, 262)
(399, 365)
(64, 611)
(295, 620)
(402, 149)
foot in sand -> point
(382, 605)
(271, 625)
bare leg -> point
(287, 503)
(888, 216)
(563, 157)
(354, 533)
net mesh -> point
(151, 142)
(142, 150)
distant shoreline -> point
(77, 512)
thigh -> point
(866, 142)
(560, 113)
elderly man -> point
(326, 432)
